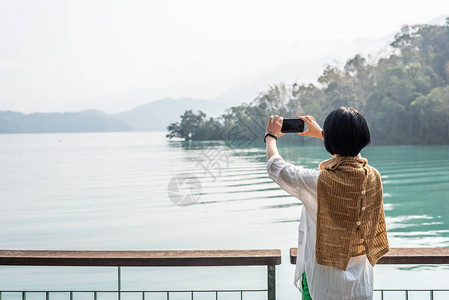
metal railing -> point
(196, 258)
(119, 259)
(403, 256)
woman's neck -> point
(338, 155)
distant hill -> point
(309, 69)
(153, 116)
(84, 121)
(157, 115)
(404, 95)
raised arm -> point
(274, 126)
(296, 181)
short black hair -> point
(345, 132)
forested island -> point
(403, 95)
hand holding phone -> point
(313, 129)
(274, 126)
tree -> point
(189, 126)
(398, 94)
(433, 115)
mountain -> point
(153, 116)
(306, 71)
(309, 69)
(116, 102)
(441, 20)
(84, 121)
(290, 73)
(157, 115)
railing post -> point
(271, 282)
(119, 282)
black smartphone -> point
(292, 125)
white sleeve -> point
(297, 181)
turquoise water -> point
(108, 191)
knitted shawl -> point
(350, 216)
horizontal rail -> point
(190, 291)
(141, 258)
(132, 291)
(411, 290)
(403, 256)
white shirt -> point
(325, 282)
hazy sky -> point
(56, 53)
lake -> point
(112, 191)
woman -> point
(342, 229)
